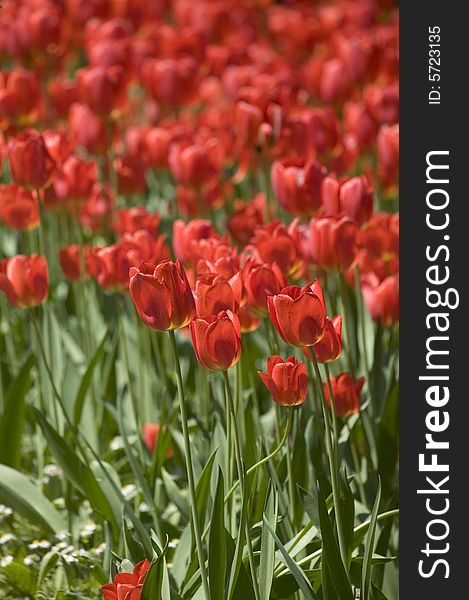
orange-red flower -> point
(273, 243)
(127, 586)
(286, 381)
(187, 239)
(261, 280)
(352, 197)
(30, 163)
(346, 393)
(24, 280)
(245, 218)
(130, 220)
(18, 207)
(332, 242)
(299, 314)
(73, 261)
(297, 185)
(330, 347)
(382, 298)
(162, 295)
(217, 340)
(214, 293)
(101, 88)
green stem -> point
(356, 464)
(241, 479)
(332, 463)
(190, 470)
(363, 526)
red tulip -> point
(332, 243)
(261, 280)
(286, 381)
(217, 340)
(214, 293)
(248, 119)
(73, 261)
(196, 164)
(187, 237)
(87, 129)
(96, 211)
(248, 320)
(299, 314)
(101, 88)
(346, 393)
(30, 162)
(273, 243)
(388, 154)
(382, 298)
(150, 435)
(297, 185)
(245, 218)
(171, 81)
(157, 141)
(130, 220)
(24, 280)
(162, 295)
(352, 197)
(110, 266)
(19, 95)
(18, 207)
(127, 586)
(330, 347)
(130, 171)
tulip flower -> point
(299, 314)
(30, 163)
(273, 243)
(187, 238)
(382, 298)
(95, 213)
(127, 586)
(245, 218)
(132, 219)
(162, 295)
(261, 281)
(18, 207)
(286, 381)
(217, 340)
(330, 347)
(102, 89)
(73, 261)
(346, 393)
(214, 293)
(352, 197)
(332, 242)
(297, 185)
(24, 280)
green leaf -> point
(336, 583)
(48, 563)
(20, 494)
(267, 561)
(202, 490)
(295, 570)
(86, 381)
(151, 589)
(79, 474)
(12, 421)
(217, 547)
(376, 593)
(310, 502)
(369, 547)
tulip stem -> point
(333, 466)
(189, 467)
(241, 478)
(266, 458)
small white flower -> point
(70, 558)
(129, 490)
(117, 443)
(88, 530)
(5, 511)
(52, 470)
(99, 549)
(6, 538)
(5, 561)
(144, 508)
(62, 535)
(31, 559)
(173, 543)
(35, 544)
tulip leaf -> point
(369, 547)
(267, 561)
(21, 495)
(12, 421)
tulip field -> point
(199, 300)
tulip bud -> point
(217, 340)
(18, 207)
(24, 280)
(299, 314)
(346, 393)
(30, 162)
(286, 381)
(162, 295)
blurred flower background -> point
(199, 299)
